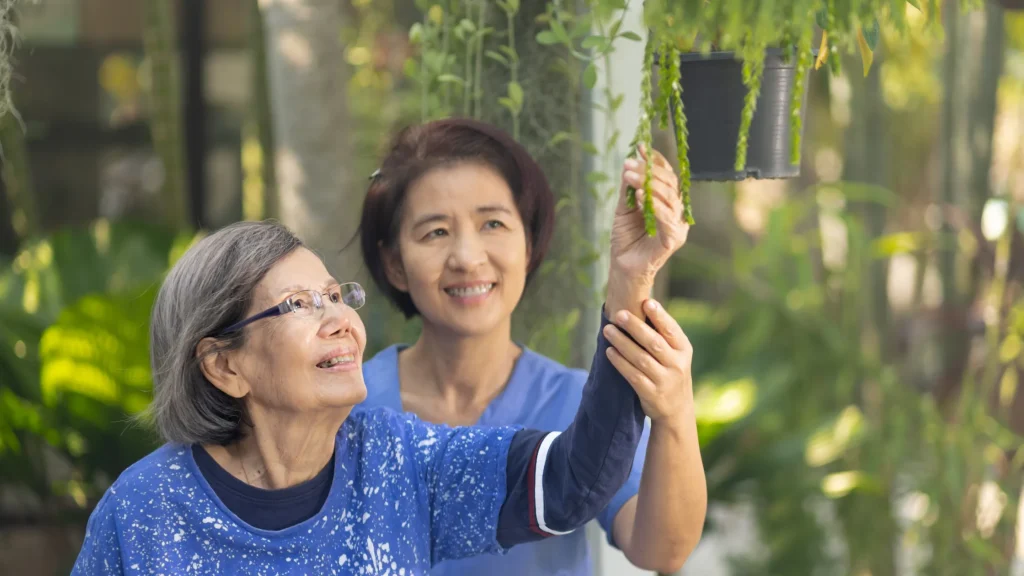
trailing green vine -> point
(748, 29)
(681, 134)
(753, 72)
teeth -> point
(474, 291)
(337, 360)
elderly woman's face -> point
(284, 358)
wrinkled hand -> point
(657, 364)
(634, 254)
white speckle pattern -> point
(385, 514)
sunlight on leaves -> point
(840, 484)
(897, 243)
(724, 403)
(98, 349)
(833, 440)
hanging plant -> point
(736, 57)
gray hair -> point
(207, 290)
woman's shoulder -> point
(545, 371)
(384, 361)
(368, 422)
(373, 426)
(158, 473)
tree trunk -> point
(8, 237)
(307, 80)
(982, 119)
(165, 102)
(261, 111)
(19, 211)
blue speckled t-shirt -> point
(406, 494)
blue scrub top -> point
(541, 394)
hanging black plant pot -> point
(713, 93)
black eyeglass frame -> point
(287, 306)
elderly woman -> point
(256, 354)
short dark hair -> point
(417, 150)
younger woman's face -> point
(462, 249)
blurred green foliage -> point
(803, 418)
(74, 359)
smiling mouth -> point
(343, 359)
(470, 291)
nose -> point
(467, 253)
(336, 321)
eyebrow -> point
(297, 288)
(485, 209)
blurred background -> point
(859, 330)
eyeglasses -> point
(307, 303)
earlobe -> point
(393, 268)
(217, 367)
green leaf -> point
(559, 31)
(597, 177)
(468, 25)
(589, 148)
(411, 68)
(629, 35)
(593, 42)
(615, 29)
(871, 33)
(547, 38)
(509, 52)
(559, 138)
(590, 76)
(513, 6)
(450, 79)
(495, 56)
(510, 105)
(896, 243)
(582, 26)
(416, 33)
(515, 93)
(915, 4)
(866, 54)
(821, 19)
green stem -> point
(478, 88)
(513, 66)
(446, 91)
(467, 83)
(424, 79)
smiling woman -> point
(455, 223)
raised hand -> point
(636, 257)
(656, 361)
(633, 252)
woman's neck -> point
(451, 379)
(280, 450)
